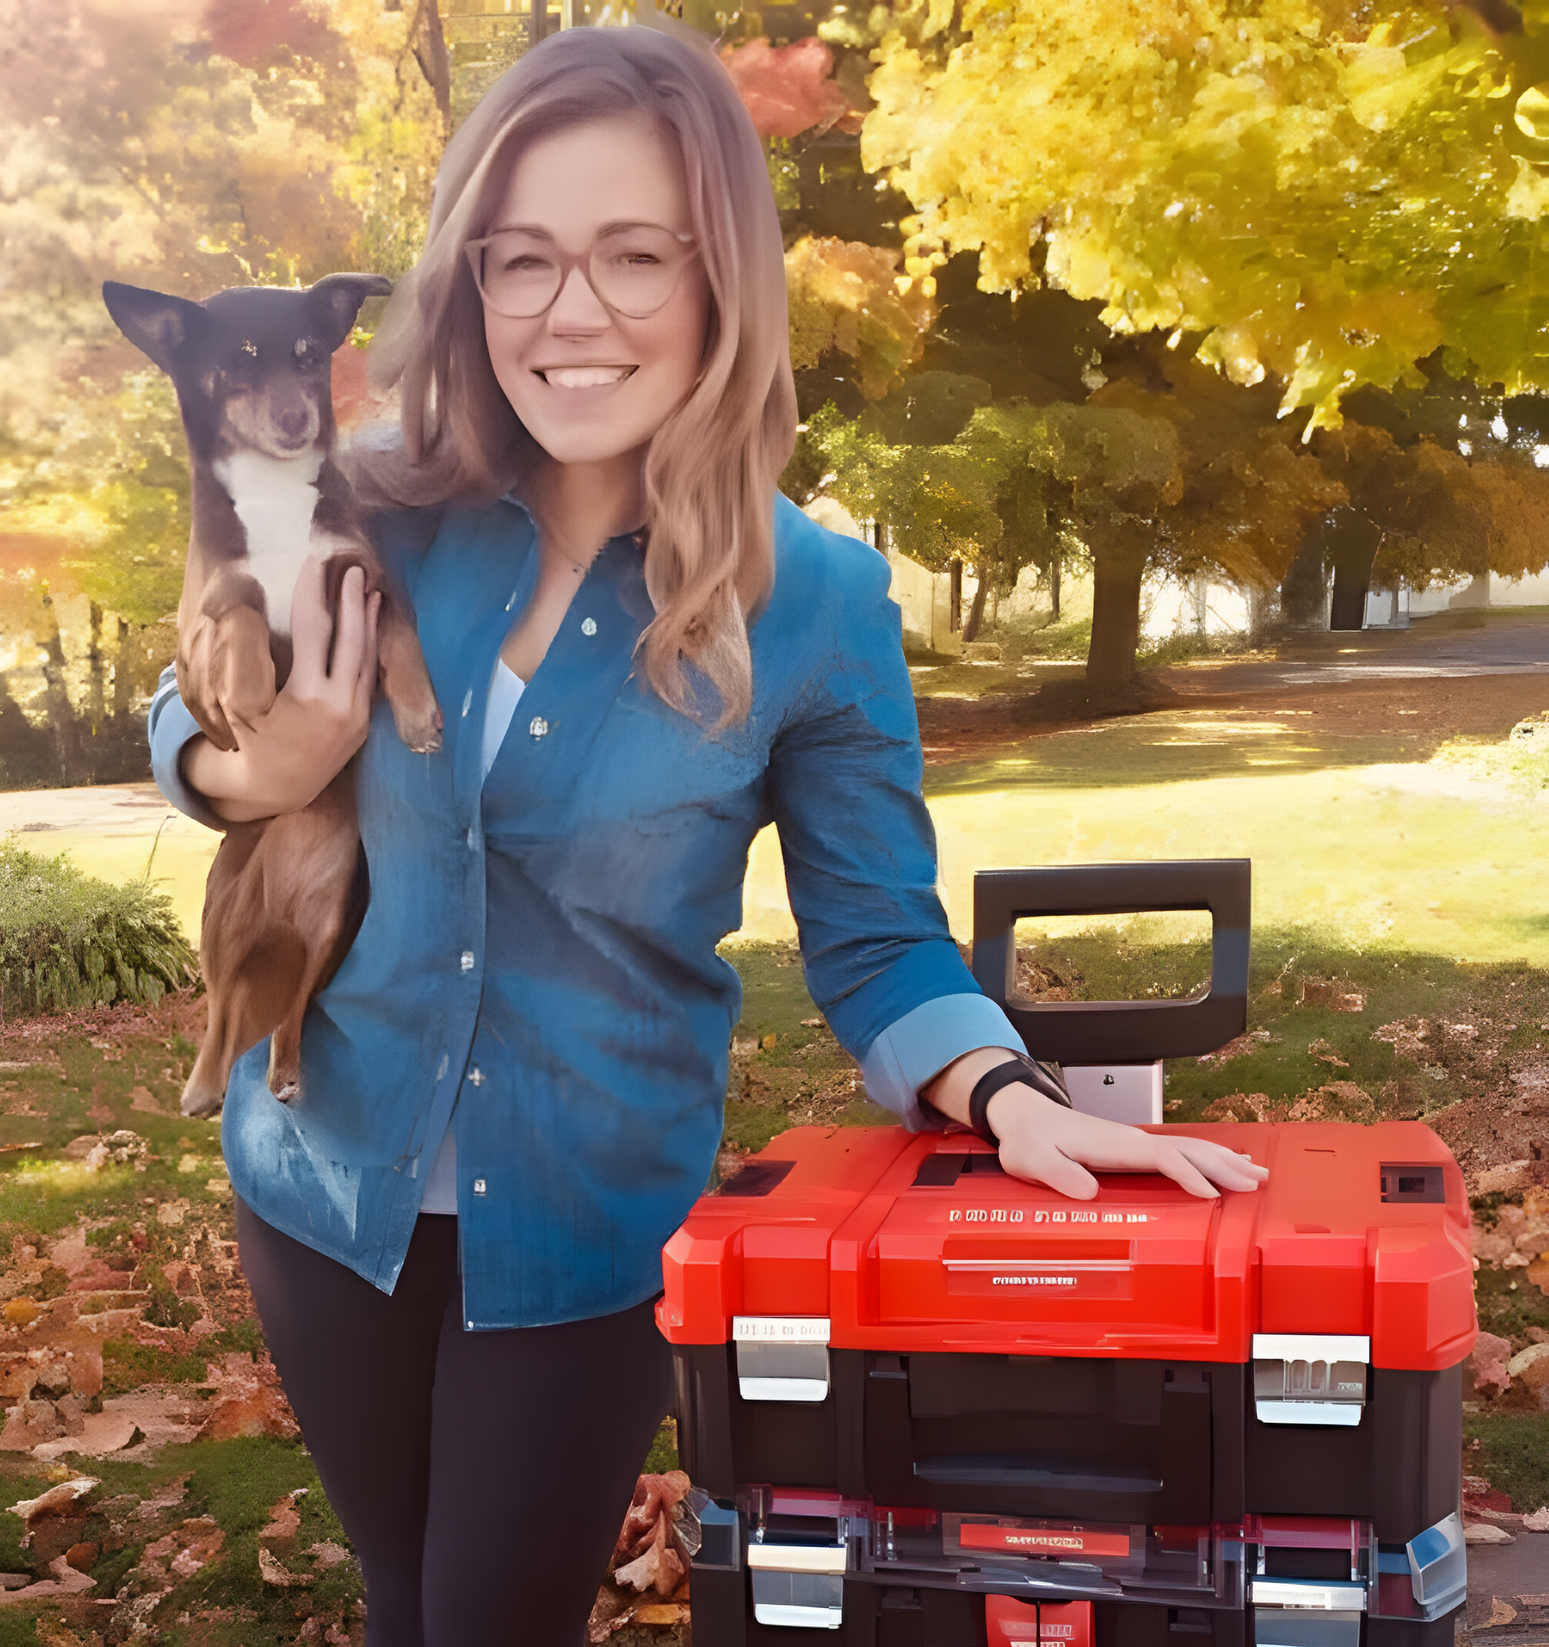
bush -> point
(69, 941)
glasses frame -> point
(473, 250)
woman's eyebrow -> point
(617, 226)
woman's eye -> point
(525, 263)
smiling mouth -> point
(584, 377)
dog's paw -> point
(419, 730)
(197, 1103)
(287, 1091)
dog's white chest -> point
(275, 499)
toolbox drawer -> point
(1104, 1440)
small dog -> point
(285, 895)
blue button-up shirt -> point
(540, 949)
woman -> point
(514, 1082)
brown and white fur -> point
(285, 895)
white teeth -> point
(585, 377)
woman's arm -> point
(319, 718)
(860, 860)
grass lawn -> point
(1401, 965)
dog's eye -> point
(307, 352)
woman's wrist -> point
(949, 1091)
(225, 779)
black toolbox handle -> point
(1119, 1032)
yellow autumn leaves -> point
(1308, 189)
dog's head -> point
(251, 365)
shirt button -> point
(539, 727)
(479, 1186)
(588, 626)
(467, 961)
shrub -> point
(69, 941)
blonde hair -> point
(711, 471)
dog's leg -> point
(326, 893)
(405, 679)
(252, 962)
(225, 665)
(400, 663)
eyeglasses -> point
(632, 270)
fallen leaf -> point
(141, 1098)
(65, 1582)
(273, 1573)
(56, 1501)
(1329, 993)
(662, 1612)
(1500, 1613)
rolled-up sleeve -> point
(860, 857)
(170, 727)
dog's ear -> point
(153, 321)
(336, 300)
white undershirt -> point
(505, 693)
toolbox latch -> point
(1438, 1567)
(781, 1357)
(798, 1586)
(1310, 1378)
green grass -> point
(1513, 1455)
(1126, 963)
(68, 940)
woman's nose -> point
(578, 308)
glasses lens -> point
(519, 274)
(635, 270)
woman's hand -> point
(1049, 1144)
(288, 756)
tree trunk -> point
(123, 678)
(61, 717)
(98, 669)
(1117, 571)
(976, 611)
(1054, 585)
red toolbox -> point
(937, 1406)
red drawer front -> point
(1011, 1623)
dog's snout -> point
(293, 422)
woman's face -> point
(588, 383)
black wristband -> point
(1047, 1079)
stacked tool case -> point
(937, 1406)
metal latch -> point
(1300, 1612)
(781, 1357)
(1309, 1378)
(798, 1586)
(1438, 1567)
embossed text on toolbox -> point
(978, 1535)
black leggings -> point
(481, 1476)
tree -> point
(1324, 192)
(187, 146)
(1143, 478)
